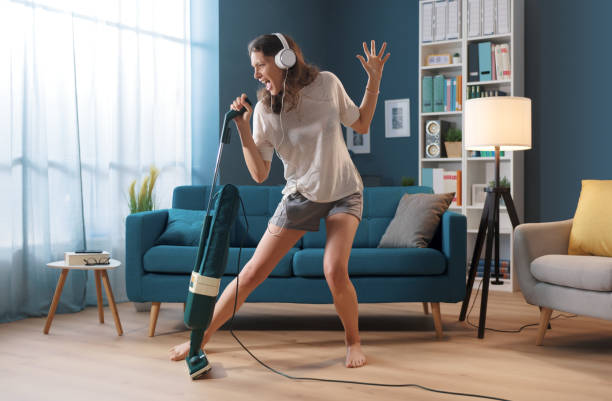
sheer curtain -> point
(92, 93)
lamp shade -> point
(503, 121)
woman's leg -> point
(341, 229)
(274, 244)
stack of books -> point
(443, 181)
(441, 94)
(86, 258)
(504, 268)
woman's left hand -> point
(375, 62)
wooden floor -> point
(82, 359)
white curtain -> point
(92, 93)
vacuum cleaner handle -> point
(229, 116)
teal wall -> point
(566, 56)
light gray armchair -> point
(553, 280)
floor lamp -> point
(493, 123)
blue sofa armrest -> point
(454, 246)
(141, 232)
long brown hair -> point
(298, 76)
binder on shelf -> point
(453, 27)
(427, 21)
(505, 56)
(493, 66)
(438, 93)
(440, 18)
(498, 63)
(503, 16)
(473, 18)
(427, 94)
(473, 68)
(488, 17)
(484, 60)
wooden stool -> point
(99, 271)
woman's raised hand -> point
(237, 105)
(374, 63)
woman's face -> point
(266, 72)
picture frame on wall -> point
(356, 142)
(397, 118)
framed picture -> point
(478, 194)
(397, 118)
(358, 143)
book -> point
(450, 184)
(438, 93)
(82, 259)
(427, 94)
(505, 54)
(438, 180)
(459, 99)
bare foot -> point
(354, 356)
(179, 352)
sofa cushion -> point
(375, 262)
(416, 219)
(592, 273)
(379, 205)
(591, 233)
(183, 228)
(181, 259)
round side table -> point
(99, 272)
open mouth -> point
(267, 84)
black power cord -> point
(467, 319)
(327, 380)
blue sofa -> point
(160, 273)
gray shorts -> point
(296, 212)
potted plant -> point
(503, 183)
(452, 142)
(456, 58)
(143, 201)
(407, 181)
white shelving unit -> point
(478, 170)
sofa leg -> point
(153, 317)
(544, 319)
(435, 310)
(425, 308)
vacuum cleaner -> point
(211, 260)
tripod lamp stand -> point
(493, 123)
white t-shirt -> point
(311, 144)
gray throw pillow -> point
(416, 219)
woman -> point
(298, 115)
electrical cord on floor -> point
(319, 379)
(467, 319)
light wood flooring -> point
(82, 359)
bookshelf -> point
(475, 170)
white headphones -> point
(285, 58)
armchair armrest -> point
(454, 248)
(141, 232)
(533, 240)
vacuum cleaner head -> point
(198, 365)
